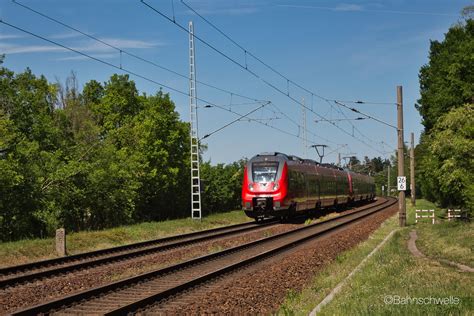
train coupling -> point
(263, 203)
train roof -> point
(283, 156)
(274, 153)
(298, 159)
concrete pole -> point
(412, 170)
(401, 160)
(61, 242)
(338, 159)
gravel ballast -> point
(262, 288)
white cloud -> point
(223, 7)
(229, 11)
(9, 36)
(81, 57)
(86, 46)
(340, 7)
(22, 49)
(358, 8)
(128, 43)
(348, 7)
(65, 35)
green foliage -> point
(29, 148)
(447, 80)
(368, 166)
(448, 169)
(222, 186)
(444, 155)
(101, 158)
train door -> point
(292, 184)
(302, 194)
(316, 193)
(306, 191)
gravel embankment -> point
(262, 288)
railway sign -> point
(402, 183)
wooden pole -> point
(388, 179)
(401, 160)
(412, 170)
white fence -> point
(454, 214)
(432, 216)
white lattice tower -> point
(195, 182)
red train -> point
(280, 185)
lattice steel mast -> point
(195, 181)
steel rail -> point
(59, 265)
(333, 224)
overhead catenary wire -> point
(366, 115)
(352, 135)
(136, 74)
(247, 52)
(262, 123)
(102, 61)
(343, 119)
(232, 122)
(274, 70)
(367, 102)
(237, 63)
(231, 93)
(122, 51)
(94, 58)
(353, 126)
(288, 80)
(334, 150)
(299, 125)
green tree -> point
(163, 140)
(447, 80)
(449, 169)
(222, 186)
(103, 157)
(30, 149)
(115, 104)
(444, 167)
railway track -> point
(132, 294)
(29, 272)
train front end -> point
(265, 186)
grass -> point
(447, 240)
(18, 252)
(332, 274)
(393, 273)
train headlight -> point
(275, 186)
(251, 186)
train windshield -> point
(264, 171)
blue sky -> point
(343, 50)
